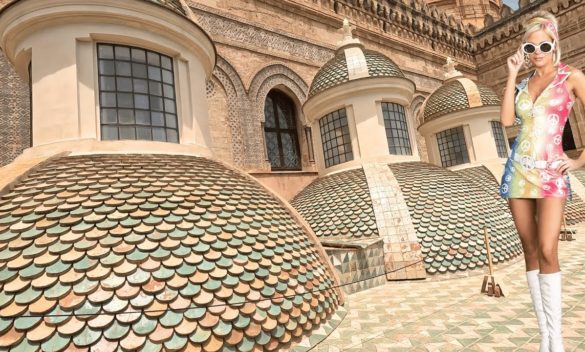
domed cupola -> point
(461, 122)
(354, 100)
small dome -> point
(458, 94)
(338, 206)
(336, 72)
(155, 252)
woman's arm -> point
(507, 111)
(575, 84)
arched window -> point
(137, 94)
(452, 147)
(280, 129)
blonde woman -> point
(535, 179)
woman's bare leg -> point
(523, 212)
(550, 215)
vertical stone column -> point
(403, 257)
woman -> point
(536, 180)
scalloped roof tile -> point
(154, 252)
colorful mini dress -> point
(530, 168)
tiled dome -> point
(449, 212)
(338, 206)
(146, 253)
(455, 95)
(335, 71)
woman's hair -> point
(545, 21)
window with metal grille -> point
(396, 129)
(452, 147)
(280, 131)
(137, 94)
(335, 138)
(499, 138)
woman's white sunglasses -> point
(544, 47)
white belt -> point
(530, 163)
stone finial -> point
(347, 34)
(450, 70)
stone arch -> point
(237, 104)
(416, 109)
(276, 76)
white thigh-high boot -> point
(550, 289)
(534, 286)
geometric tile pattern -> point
(332, 73)
(452, 97)
(452, 315)
(152, 252)
(402, 251)
(358, 268)
(335, 71)
(380, 65)
(338, 206)
(449, 213)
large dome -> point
(153, 252)
(458, 94)
(336, 71)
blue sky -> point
(512, 3)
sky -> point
(512, 3)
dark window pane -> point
(157, 119)
(109, 133)
(107, 67)
(154, 73)
(125, 100)
(144, 133)
(143, 117)
(124, 84)
(107, 83)
(122, 53)
(105, 52)
(126, 116)
(170, 106)
(140, 86)
(167, 76)
(166, 63)
(123, 68)
(109, 116)
(138, 55)
(127, 132)
(153, 59)
(270, 120)
(169, 91)
(280, 130)
(171, 120)
(156, 103)
(158, 134)
(108, 100)
(155, 88)
(139, 70)
(172, 136)
(141, 101)
(452, 148)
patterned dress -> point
(529, 170)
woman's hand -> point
(566, 164)
(516, 61)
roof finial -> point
(347, 35)
(450, 70)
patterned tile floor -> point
(451, 315)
